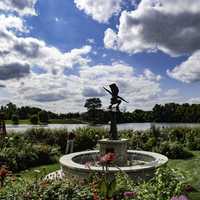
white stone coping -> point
(107, 140)
(67, 161)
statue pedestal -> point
(118, 147)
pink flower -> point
(189, 188)
(182, 197)
(108, 158)
(88, 164)
(129, 194)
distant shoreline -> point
(51, 121)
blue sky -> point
(56, 54)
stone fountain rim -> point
(67, 161)
(107, 140)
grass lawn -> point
(38, 172)
(51, 121)
(26, 121)
(190, 168)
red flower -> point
(3, 172)
(95, 196)
(129, 194)
(108, 158)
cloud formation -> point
(99, 10)
(14, 70)
(71, 91)
(47, 97)
(158, 25)
(22, 7)
(16, 49)
(188, 71)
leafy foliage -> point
(34, 119)
(19, 154)
(15, 119)
(43, 117)
(166, 184)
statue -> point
(115, 99)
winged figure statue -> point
(115, 99)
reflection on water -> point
(126, 126)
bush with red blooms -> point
(107, 158)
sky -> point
(55, 54)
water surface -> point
(125, 126)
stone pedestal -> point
(118, 147)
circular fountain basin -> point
(141, 165)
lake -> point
(125, 126)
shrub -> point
(48, 136)
(177, 134)
(19, 154)
(174, 150)
(34, 119)
(166, 184)
(138, 139)
(87, 138)
(193, 139)
(150, 144)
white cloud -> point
(150, 75)
(12, 22)
(158, 25)
(194, 100)
(91, 40)
(62, 93)
(171, 92)
(22, 7)
(19, 54)
(99, 10)
(188, 71)
(35, 52)
(132, 87)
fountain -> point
(139, 165)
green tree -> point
(10, 110)
(15, 119)
(43, 116)
(34, 119)
(93, 105)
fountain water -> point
(139, 165)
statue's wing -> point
(107, 90)
(122, 99)
(114, 89)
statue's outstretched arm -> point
(108, 90)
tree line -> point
(170, 112)
(34, 114)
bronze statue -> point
(115, 98)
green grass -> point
(25, 121)
(38, 172)
(51, 121)
(190, 168)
